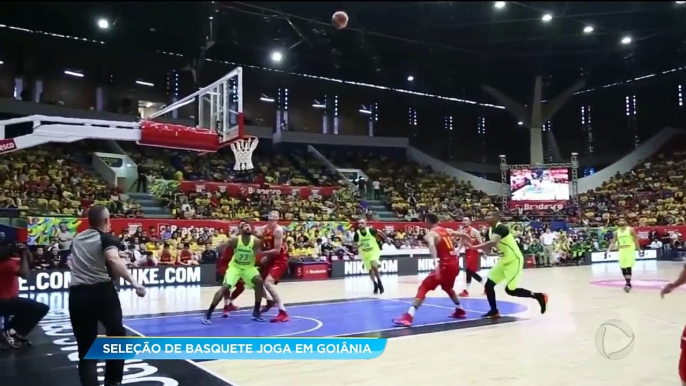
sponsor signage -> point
(59, 280)
(311, 271)
(599, 257)
(113, 162)
(399, 264)
(7, 146)
(537, 205)
(237, 190)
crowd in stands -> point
(51, 180)
(410, 189)
(650, 194)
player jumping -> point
(370, 252)
(274, 265)
(471, 255)
(509, 267)
(627, 244)
(442, 248)
(242, 266)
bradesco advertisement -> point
(236, 190)
(59, 280)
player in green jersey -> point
(509, 267)
(626, 240)
(242, 266)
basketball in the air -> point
(340, 20)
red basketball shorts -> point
(471, 260)
(446, 281)
(276, 269)
(682, 359)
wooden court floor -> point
(529, 349)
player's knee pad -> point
(509, 291)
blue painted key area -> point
(335, 318)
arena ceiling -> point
(449, 48)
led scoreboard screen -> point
(539, 184)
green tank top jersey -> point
(367, 242)
(625, 240)
(507, 246)
(244, 255)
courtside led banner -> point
(143, 348)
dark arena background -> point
(185, 118)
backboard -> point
(219, 107)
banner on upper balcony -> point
(538, 205)
(159, 187)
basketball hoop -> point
(242, 150)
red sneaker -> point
(459, 313)
(464, 294)
(228, 308)
(270, 304)
(282, 316)
(404, 321)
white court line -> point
(432, 305)
(208, 371)
(324, 303)
(318, 323)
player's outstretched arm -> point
(488, 245)
(458, 234)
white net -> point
(242, 150)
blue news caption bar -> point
(125, 348)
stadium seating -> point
(410, 189)
(272, 167)
(650, 194)
(52, 180)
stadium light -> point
(72, 73)
(547, 17)
(364, 111)
(588, 29)
(145, 83)
(267, 99)
(681, 2)
(103, 24)
(276, 56)
(499, 4)
(410, 78)
(520, 123)
(1, 62)
(626, 40)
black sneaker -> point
(9, 340)
(258, 318)
(376, 288)
(381, 289)
(21, 339)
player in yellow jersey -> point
(509, 267)
(627, 244)
(242, 266)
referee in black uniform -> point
(92, 296)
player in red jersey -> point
(226, 254)
(471, 255)
(442, 248)
(275, 264)
(682, 359)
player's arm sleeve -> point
(356, 238)
(502, 231)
